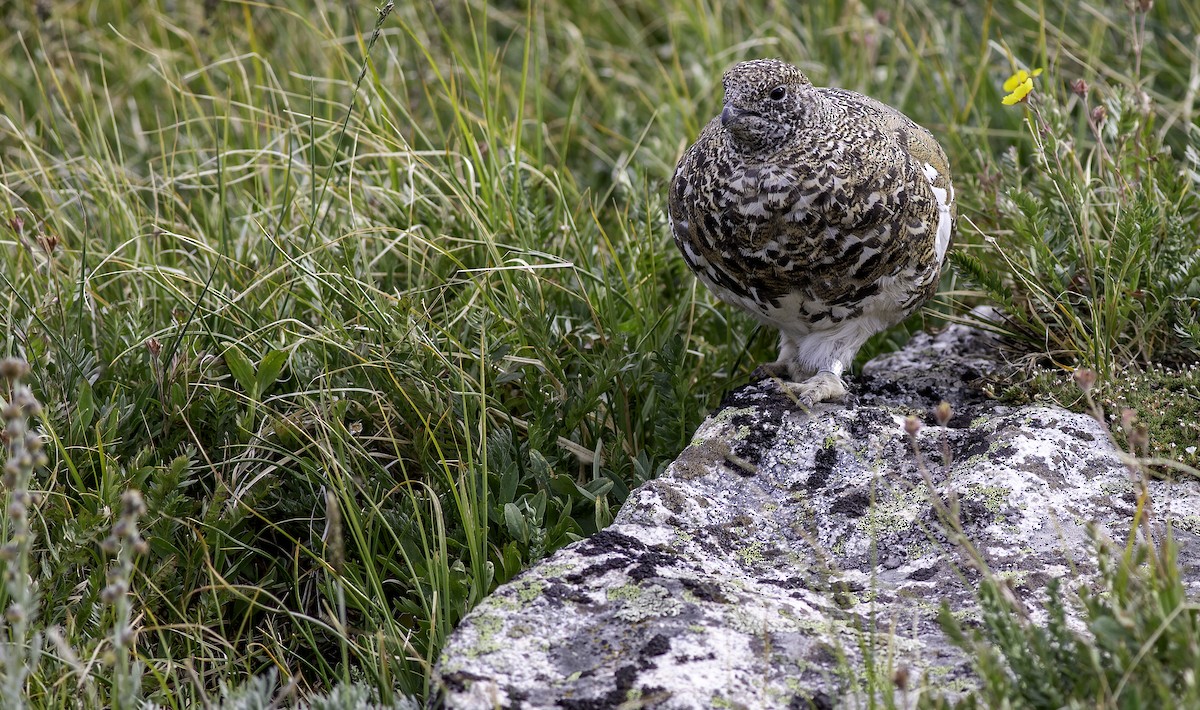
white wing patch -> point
(944, 198)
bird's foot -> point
(821, 387)
(767, 370)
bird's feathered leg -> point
(783, 366)
(817, 360)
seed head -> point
(114, 591)
(13, 368)
(912, 425)
(1085, 378)
(132, 504)
(111, 545)
(16, 512)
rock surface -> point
(786, 555)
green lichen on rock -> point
(994, 498)
(637, 603)
(487, 629)
(751, 553)
(530, 590)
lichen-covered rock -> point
(788, 555)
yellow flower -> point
(1018, 86)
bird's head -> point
(765, 104)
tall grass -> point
(374, 321)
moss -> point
(529, 591)
(1188, 523)
(1014, 578)
(729, 413)
(517, 631)
(994, 498)
(641, 603)
(550, 571)
(893, 512)
(487, 628)
(751, 554)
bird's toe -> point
(821, 387)
(768, 370)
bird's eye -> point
(778, 93)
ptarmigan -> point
(822, 212)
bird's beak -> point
(728, 115)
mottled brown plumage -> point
(822, 212)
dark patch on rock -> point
(878, 386)
(649, 562)
(566, 593)
(973, 443)
(823, 464)
(704, 591)
(624, 679)
(610, 541)
(923, 575)
(761, 429)
(616, 562)
(741, 520)
(672, 499)
(864, 420)
(789, 583)
(931, 395)
(585, 704)
(696, 460)
(656, 646)
(822, 654)
(642, 571)
(972, 511)
(1003, 451)
(816, 701)
(625, 675)
(960, 420)
(1080, 434)
(851, 585)
(854, 505)
(460, 680)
